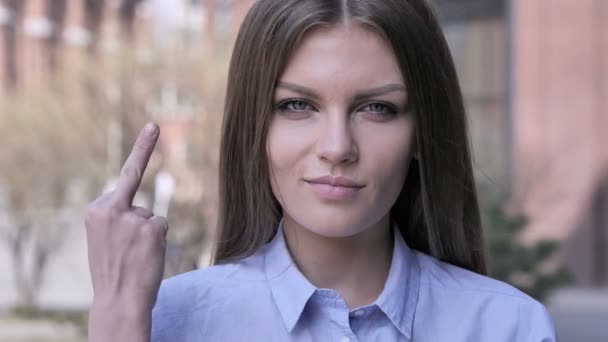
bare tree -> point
(47, 147)
(71, 133)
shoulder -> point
(447, 277)
(457, 297)
(200, 297)
(188, 288)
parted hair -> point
(437, 210)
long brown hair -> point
(437, 209)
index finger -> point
(135, 166)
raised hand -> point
(126, 250)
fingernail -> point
(150, 129)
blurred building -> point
(535, 81)
(35, 34)
(477, 32)
(560, 116)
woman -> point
(347, 205)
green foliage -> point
(521, 265)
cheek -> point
(286, 148)
(280, 149)
(389, 155)
(274, 153)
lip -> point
(335, 188)
(336, 181)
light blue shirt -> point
(266, 298)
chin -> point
(331, 223)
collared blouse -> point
(265, 297)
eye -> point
(379, 110)
(295, 106)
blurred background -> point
(79, 78)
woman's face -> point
(340, 140)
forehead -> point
(344, 57)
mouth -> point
(335, 188)
(338, 181)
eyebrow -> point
(365, 94)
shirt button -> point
(358, 313)
(345, 339)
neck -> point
(356, 266)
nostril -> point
(337, 148)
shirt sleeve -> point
(535, 323)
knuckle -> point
(131, 220)
(131, 172)
(114, 213)
(163, 223)
(163, 228)
(141, 145)
(93, 212)
(149, 232)
(156, 231)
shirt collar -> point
(291, 290)
(399, 298)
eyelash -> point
(389, 110)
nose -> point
(336, 143)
